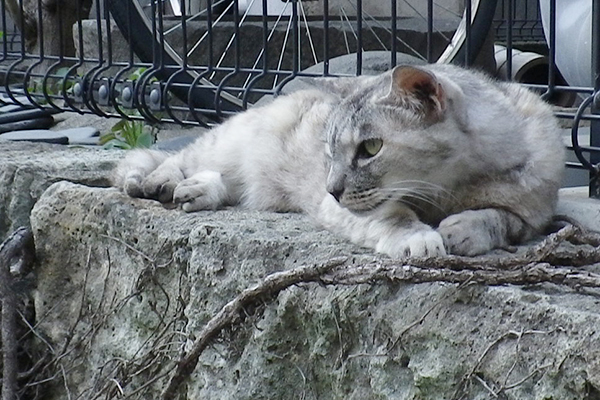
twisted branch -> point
(16, 254)
(232, 312)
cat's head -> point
(395, 137)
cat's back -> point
(506, 117)
(490, 97)
(284, 115)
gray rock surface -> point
(27, 169)
(87, 135)
(131, 284)
(35, 135)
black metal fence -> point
(195, 61)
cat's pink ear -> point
(410, 84)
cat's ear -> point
(415, 86)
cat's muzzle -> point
(360, 204)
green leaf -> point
(62, 71)
(116, 143)
(104, 138)
(144, 140)
(130, 132)
(119, 126)
(135, 75)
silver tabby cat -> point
(418, 161)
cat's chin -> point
(363, 213)
(383, 209)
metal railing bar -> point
(429, 31)
(595, 104)
(359, 38)
(264, 54)
(326, 36)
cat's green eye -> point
(370, 148)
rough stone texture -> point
(69, 120)
(142, 280)
(27, 169)
(575, 202)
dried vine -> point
(232, 312)
(16, 256)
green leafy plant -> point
(137, 73)
(129, 134)
(54, 85)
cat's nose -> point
(336, 182)
(336, 192)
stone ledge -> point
(27, 169)
(142, 269)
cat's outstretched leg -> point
(157, 175)
(475, 232)
(401, 237)
(204, 190)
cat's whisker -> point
(370, 199)
(366, 200)
(405, 195)
(412, 205)
(425, 200)
(423, 188)
(420, 185)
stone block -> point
(27, 169)
(134, 283)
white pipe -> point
(528, 67)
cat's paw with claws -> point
(133, 184)
(203, 191)
(471, 232)
(160, 184)
(421, 243)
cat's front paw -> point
(161, 183)
(471, 232)
(203, 191)
(421, 243)
(133, 184)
